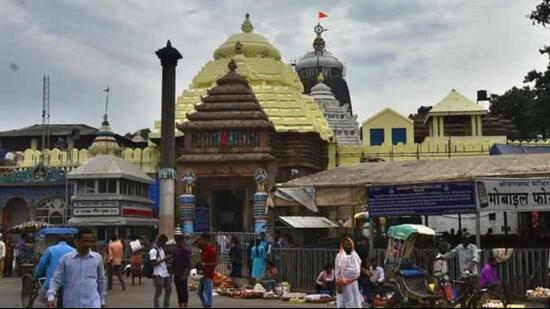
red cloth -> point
(209, 256)
(322, 15)
(224, 139)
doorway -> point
(228, 214)
(15, 212)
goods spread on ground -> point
(539, 292)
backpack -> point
(148, 268)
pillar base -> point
(260, 215)
(187, 205)
(166, 212)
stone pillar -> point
(479, 125)
(188, 203)
(473, 119)
(260, 214)
(260, 201)
(169, 57)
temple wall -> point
(432, 148)
(147, 159)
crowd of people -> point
(354, 278)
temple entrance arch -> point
(229, 209)
(16, 212)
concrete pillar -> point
(260, 215)
(169, 57)
(473, 119)
(479, 126)
(442, 126)
(187, 206)
(435, 125)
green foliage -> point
(529, 107)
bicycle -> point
(30, 289)
(470, 296)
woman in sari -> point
(348, 270)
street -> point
(142, 297)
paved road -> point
(142, 297)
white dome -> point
(326, 60)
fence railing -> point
(526, 269)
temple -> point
(322, 61)
(340, 120)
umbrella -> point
(359, 215)
(29, 226)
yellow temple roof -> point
(457, 104)
(275, 84)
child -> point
(136, 263)
(441, 271)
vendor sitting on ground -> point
(376, 279)
(270, 280)
(326, 281)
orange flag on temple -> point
(322, 15)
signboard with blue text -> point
(430, 199)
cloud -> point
(397, 53)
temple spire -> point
(247, 25)
(105, 116)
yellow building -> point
(455, 130)
(388, 126)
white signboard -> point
(518, 194)
(95, 212)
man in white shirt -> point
(2, 256)
(161, 276)
(468, 256)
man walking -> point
(181, 266)
(116, 255)
(81, 274)
(48, 264)
(161, 276)
(209, 260)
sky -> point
(398, 53)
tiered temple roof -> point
(275, 84)
(345, 126)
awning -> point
(113, 221)
(304, 196)
(298, 222)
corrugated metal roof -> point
(424, 171)
(54, 129)
(308, 222)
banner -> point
(514, 194)
(95, 212)
(422, 199)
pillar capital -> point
(168, 55)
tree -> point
(541, 14)
(529, 107)
(516, 104)
(540, 81)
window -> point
(56, 218)
(102, 186)
(399, 135)
(111, 186)
(376, 137)
(493, 217)
(52, 212)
